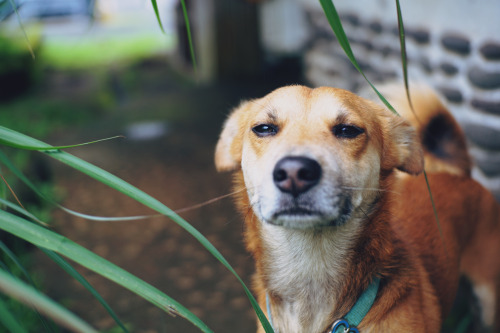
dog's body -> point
(326, 210)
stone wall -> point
(453, 45)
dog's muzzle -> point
(302, 199)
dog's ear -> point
(230, 144)
(402, 147)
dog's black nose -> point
(296, 174)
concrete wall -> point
(453, 45)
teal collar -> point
(354, 317)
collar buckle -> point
(347, 328)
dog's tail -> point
(445, 147)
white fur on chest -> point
(304, 269)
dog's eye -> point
(265, 130)
(344, 131)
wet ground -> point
(177, 169)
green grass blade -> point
(26, 294)
(16, 261)
(48, 326)
(14, 7)
(155, 7)
(11, 138)
(7, 319)
(6, 133)
(336, 25)
(77, 276)
(45, 238)
(6, 161)
(16, 138)
(188, 30)
(21, 211)
(404, 62)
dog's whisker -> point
(369, 189)
(208, 202)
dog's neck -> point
(313, 277)
(304, 271)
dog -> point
(335, 198)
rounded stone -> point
(487, 106)
(420, 36)
(483, 136)
(489, 163)
(376, 27)
(452, 95)
(386, 50)
(491, 51)
(484, 79)
(426, 65)
(456, 43)
(351, 18)
(449, 68)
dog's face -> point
(313, 157)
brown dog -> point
(327, 212)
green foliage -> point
(16, 65)
(45, 115)
(14, 52)
(91, 52)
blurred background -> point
(81, 70)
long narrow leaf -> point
(21, 211)
(402, 42)
(188, 30)
(9, 320)
(140, 196)
(6, 161)
(334, 20)
(23, 270)
(14, 7)
(13, 287)
(404, 64)
(50, 240)
(155, 7)
(77, 276)
(5, 134)
(16, 261)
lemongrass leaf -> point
(8, 319)
(77, 276)
(6, 140)
(50, 240)
(26, 294)
(6, 161)
(23, 270)
(155, 7)
(404, 58)
(107, 218)
(404, 64)
(21, 211)
(30, 48)
(336, 25)
(188, 31)
(16, 261)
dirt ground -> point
(178, 170)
